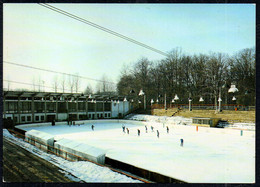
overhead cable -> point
(52, 71)
(102, 28)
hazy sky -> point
(37, 36)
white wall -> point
(122, 106)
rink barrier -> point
(149, 175)
(68, 156)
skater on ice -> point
(182, 142)
(157, 133)
(138, 132)
(123, 127)
(152, 128)
(127, 130)
(92, 126)
(167, 129)
(145, 128)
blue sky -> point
(37, 36)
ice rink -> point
(209, 155)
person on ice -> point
(182, 142)
(157, 133)
(152, 128)
(167, 129)
(138, 131)
(92, 126)
(123, 127)
(53, 123)
(127, 130)
(145, 128)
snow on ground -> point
(211, 155)
(83, 170)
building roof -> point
(57, 94)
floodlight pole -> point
(189, 102)
(219, 107)
(165, 102)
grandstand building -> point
(35, 107)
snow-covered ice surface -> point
(81, 170)
(211, 155)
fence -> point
(204, 106)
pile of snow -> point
(83, 170)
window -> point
(109, 115)
(93, 116)
(9, 118)
(42, 118)
(23, 118)
(99, 106)
(91, 107)
(28, 118)
(15, 119)
(89, 116)
(36, 118)
(105, 115)
(107, 106)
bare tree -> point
(88, 90)
(71, 83)
(63, 83)
(76, 80)
(55, 83)
(105, 85)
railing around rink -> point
(56, 150)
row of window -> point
(12, 106)
(42, 118)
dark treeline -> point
(206, 75)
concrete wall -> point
(73, 150)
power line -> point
(102, 28)
(24, 83)
(52, 71)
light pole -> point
(176, 98)
(201, 99)
(165, 104)
(190, 101)
(141, 93)
(233, 89)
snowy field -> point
(209, 155)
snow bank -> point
(78, 150)
(40, 139)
